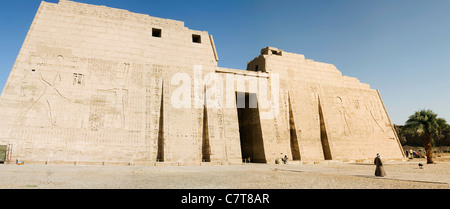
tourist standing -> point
(379, 171)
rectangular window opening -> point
(196, 38)
(156, 32)
(276, 52)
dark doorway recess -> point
(252, 146)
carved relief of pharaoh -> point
(44, 94)
(344, 117)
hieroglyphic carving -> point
(112, 15)
(96, 113)
(136, 77)
(102, 69)
(211, 131)
(77, 79)
(153, 99)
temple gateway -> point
(98, 85)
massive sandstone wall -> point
(88, 83)
(328, 108)
(95, 84)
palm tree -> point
(426, 124)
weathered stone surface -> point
(100, 85)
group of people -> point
(413, 154)
(282, 159)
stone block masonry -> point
(99, 85)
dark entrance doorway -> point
(252, 146)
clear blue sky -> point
(401, 47)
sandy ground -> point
(400, 175)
